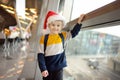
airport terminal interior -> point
(94, 54)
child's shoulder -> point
(64, 32)
(42, 37)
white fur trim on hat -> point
(56, 17)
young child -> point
(51, 56)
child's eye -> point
(58, 25)
(53, 24)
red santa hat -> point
(53, 16)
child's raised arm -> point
(80, 19)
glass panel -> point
(95, 55)
(61, 6)
(97, 41)
(85, 6)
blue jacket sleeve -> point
(76, 30)
(41, 62)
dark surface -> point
(7, 19)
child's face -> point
(55, 27)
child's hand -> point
(45, 73)
(81, 18)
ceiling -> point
(32, 11)
(36, 4)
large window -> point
(86, 6)
(101, 41)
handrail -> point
(97, 17)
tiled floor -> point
(12, 61)
(22, 65)
(79, 70)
